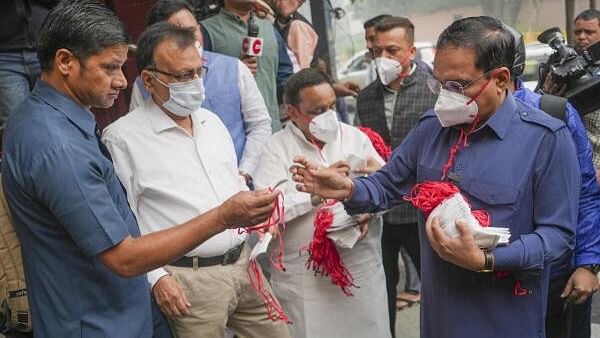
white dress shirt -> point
(257, 120)
(171, 176)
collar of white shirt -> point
(161, 121)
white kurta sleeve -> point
(257, 120)
(369, 150)
(271, 169)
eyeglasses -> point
(454, 86)
(184, 77)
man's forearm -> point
(134, 256)
(533, 251)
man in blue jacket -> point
(570, 303)
(512, 160)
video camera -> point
(566, 66)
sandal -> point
(406, 299)
(402, 304)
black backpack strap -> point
(554, 105)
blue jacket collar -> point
(500, 120)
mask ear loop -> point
(402, 74)
(312, 140)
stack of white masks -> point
(344, 231)
(455, 208)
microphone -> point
(251, 44)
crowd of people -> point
(235, 198)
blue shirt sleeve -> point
(556, 195)
(207, 41)
(386, 187)
(73, 187)
(587, 250)
(285, 68)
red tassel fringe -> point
(324, 257)
(274, 309)
(378, 142)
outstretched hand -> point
(324, 182)
(248, 208)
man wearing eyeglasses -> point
(392, 105)
(231, 91)
(513, 161)
(176, 159)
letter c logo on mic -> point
(252, 46)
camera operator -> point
(586, 32)
(571, 287)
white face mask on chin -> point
(453, 109)
(325, 126)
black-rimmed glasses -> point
(184, 77)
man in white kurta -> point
(316, 307)
(177, 161)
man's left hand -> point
(461, 251)
(363, 224)
(581, 285)
(341, 167)
(552, 87)
(371, 167)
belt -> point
(229, 257)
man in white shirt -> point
(176, 160)
(316, 306)
(240, 105)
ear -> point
(65, 62)
(413, 53)
(502, 78)
(147, 80)
(292, 111)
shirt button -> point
(525, 114)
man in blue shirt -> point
(568, 285)
(507, 158)
(83, 255)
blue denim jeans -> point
(18, 72)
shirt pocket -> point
(426, 173)
(499, 200)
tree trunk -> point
(570, 15)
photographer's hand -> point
(551, 87)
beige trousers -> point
(221, 295)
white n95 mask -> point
(184, 97)
(325, 126)
(452, 108)
(388, 70)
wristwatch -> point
(593, 268)
(490, 261)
